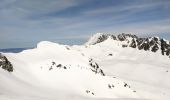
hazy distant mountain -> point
(13, 50)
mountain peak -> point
(100, 37)
(44, 44)
(97, 38)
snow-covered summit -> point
(48, 44)
(97, 38)
(100, 37)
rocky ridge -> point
(153, 44)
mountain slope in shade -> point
(53, 71)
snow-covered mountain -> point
(101, 69)
(58, 67)
(154, 44)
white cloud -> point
(16, 24)
(150, 27)
(18, 9)
(131, 7)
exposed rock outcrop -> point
(95, 67)
(5, 64)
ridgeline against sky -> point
(25, 22)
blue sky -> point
(23, 23)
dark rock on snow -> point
(5, 64)
(95, 67)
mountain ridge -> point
(154, 44)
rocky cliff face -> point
(153, 44)
(5, 64)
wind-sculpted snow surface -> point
(53, 71)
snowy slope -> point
(146, 71)
(99, 70)
(54, 71)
